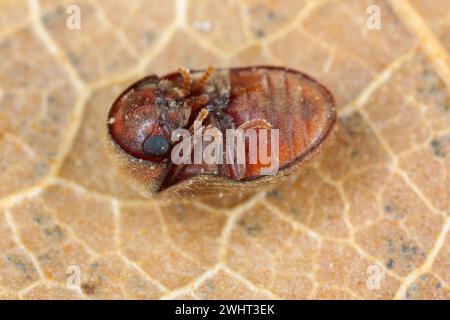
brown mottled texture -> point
(376, 205)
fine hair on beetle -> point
(233, 151)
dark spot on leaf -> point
(271, 15)
(74, 59)
(409, 251)
(274, 193)
(17, 263)
(354, 153)
(37, 219)
(395, 212)
(424, 277)
(251, 228)
(354, 124)
(209, 286)
(412, 291)
(390, 264)
(88, 288)
(44, 258)
(440, 146)
(148, 37)
(260, 33)
(54, 232)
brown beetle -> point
(143, 119)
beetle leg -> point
(237, 170)
(258, 123)
(197, 102)
(200, 117)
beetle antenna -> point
(201, 82)
(186, 79)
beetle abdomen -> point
(299, 107)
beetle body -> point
(144, 117)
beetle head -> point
(142, 119)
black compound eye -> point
(156, 146)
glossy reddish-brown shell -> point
(300, 107)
